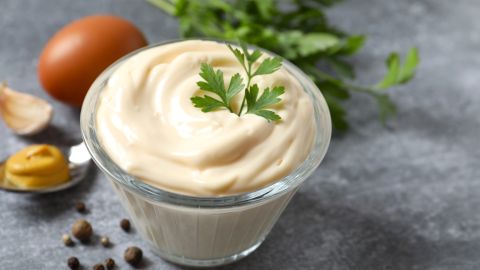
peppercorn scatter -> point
(73, 263)
(125, 224)
(82, 230)
(133, 255)
(109, 263)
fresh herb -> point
(214, 83)
(299, 31)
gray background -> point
(401, 197)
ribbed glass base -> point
(206, 263)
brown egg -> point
(81, 50)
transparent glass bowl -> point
(203, 231)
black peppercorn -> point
(82, 230)
(125, 224)
(73, 263)
(105, 241)
(80, 207)
(133, 256)
(98, 266)
(110, 263)
(67, 241)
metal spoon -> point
(78, 163)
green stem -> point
(361, 89)
(244, 97)
(166, 6)
(246, 89)
(325, 76)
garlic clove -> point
(24, 114)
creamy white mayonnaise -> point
(147, 124)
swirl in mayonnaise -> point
(147, 124)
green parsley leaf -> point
(393, 66)
(265, 8)
(269, 66)
(302, 34)
(271, 116)
(213, 82)
(236, 85)
(251, 95)
(207, 103)
(251, 57)
(254, 56)
(399, 74)
(268, 98)
(408, 69)
(352, 45)
(238, 54)
(316, 42)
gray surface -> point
(405, 197)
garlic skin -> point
(24, 114)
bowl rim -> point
(153, 193)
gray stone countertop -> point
(401, 197)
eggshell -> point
(80, 51)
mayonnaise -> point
(147, 124)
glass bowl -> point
(203, 231)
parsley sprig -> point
(213, 82)
(299, 31)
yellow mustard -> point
(37, 166)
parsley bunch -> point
(299, 31)
(213, 82)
